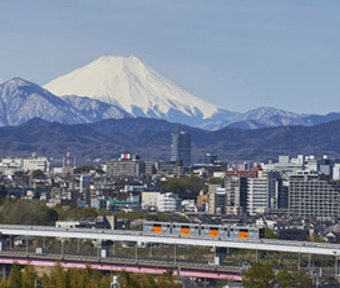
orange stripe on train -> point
(157, 229)
(185, 231)
(213, 233)
(243, 235)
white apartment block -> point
(336, 172)
(149, 199)
(262, 194)
(257, 198)
(10, 165)
(36, 163)
(168, 202)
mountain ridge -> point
(21, 100)
(108, 138)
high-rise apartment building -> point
(262, 193)
(181, 147)
(218, 199)
(312, 196)
(237, 188)
(126, 166)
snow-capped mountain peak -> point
(266, 112)
(134, 86)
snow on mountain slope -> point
(266, 112)
(95, 110)
(135, 87)
(21, 100)
(266, 117)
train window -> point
(243, 230)
(168, 226)
(232, 229)
(185, 227)
(157, 225)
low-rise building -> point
(149, 199)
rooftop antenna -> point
(68, 160)
(34, 153)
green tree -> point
(259, 276)
(3, 283)
(36, 212)
(46, 281)
(29, 276)
(15, 277)
(284, 279)
(184, 187)
(104, 281)
(301, 279)
(58, 278)
(3, 191)
(129, 280)
(78, 279)
(38, 173)
(167, 280)
(216, 180)
(315, 238)
(84, 169)
(270, 234)
(148, 281)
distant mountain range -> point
(151, 139)
(122, 88)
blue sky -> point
(237, 54)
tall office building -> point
(181, 147)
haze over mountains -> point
(151, 138)
(123, 87)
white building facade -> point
(168, 202)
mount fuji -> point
(128, 83)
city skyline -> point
(237, 55)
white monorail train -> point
(204, 230)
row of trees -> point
(187, 187)
(88, 278)
(262, 276)
(37, 213)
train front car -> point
(185, 229)
(261, 233)
(157, 227)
